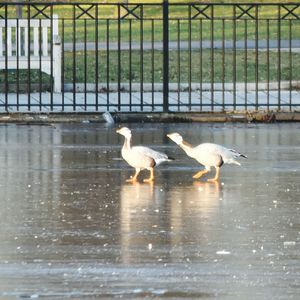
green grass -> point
(110, 12)
(175, 74)
(196, 30)
(189, 68)
(22, 76)
(216, 29)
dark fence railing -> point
(149, 57)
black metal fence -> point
(149, 57)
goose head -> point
(126, 132)
(175, 137)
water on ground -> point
(71, 227)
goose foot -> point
(213, 179)
(151, 178)
(200, 173)
(134, 178)
(217, 176)
(131, 180)
(148, 180)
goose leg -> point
(134, 178)
(217, 176)
(200, 173)
(151, 178)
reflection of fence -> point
(161, 57)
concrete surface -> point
(151, 102)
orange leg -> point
(134, 178)
(151, 178)
(217, 176)
(200, 173)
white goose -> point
(140, 157)
(207, 154)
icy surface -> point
(71, 227)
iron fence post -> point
(165, 56)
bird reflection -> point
(139, 214)
(192, 209)
(209, 189)
(169, 217)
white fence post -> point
(38, 60)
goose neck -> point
(185, 146)
(127, 143)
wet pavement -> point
(71, 227)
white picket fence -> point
(17, 52)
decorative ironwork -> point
(40, 11)
(85, 11)
(130, 11)
(100, 51)
(244, 12)
(290, 12)
(1, 16)
(201, 11)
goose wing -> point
(157, 156)
(228, 155)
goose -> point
(207, 154)
(140, 157)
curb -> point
(221, 117)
